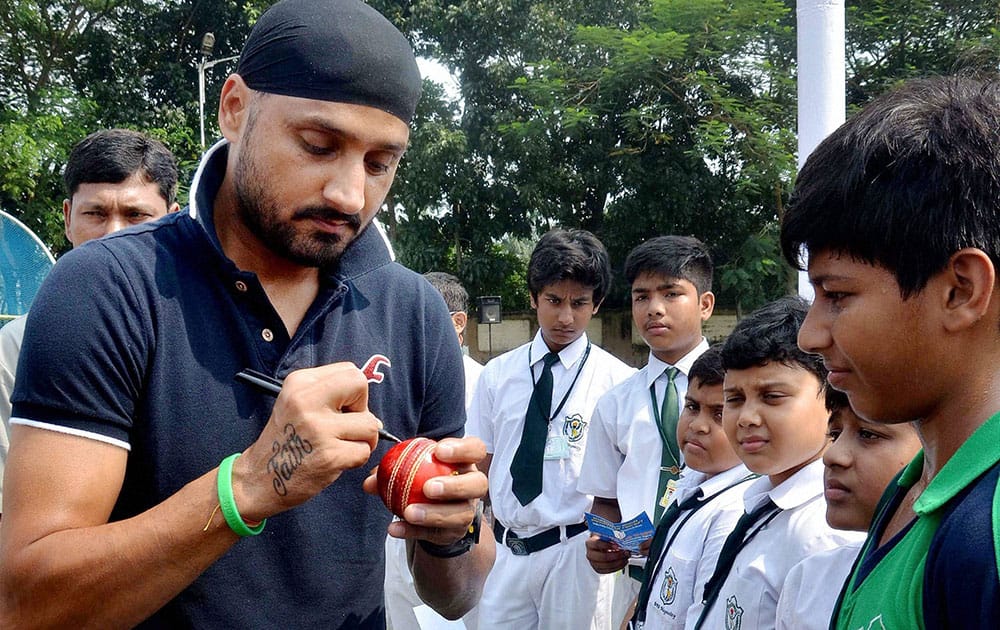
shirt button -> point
(267, 334)
(241, 286)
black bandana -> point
(332, 50)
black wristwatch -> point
(460, 546)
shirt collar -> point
(977, 455)
(205, 186)
(694, 480)
(656, 367)
(568, 356)
(804, 485)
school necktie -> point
(667, 521)
(526, 468)
(670, 459)
(730, 549)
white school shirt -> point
(472, 371)
(11, 336)
(497, 417)
(623, 451)
(688, 562)
(749, 596)
(811, 589)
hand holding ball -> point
(404, 470)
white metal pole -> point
(822, 99)
(201, 99)
(202, 67)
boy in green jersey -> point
(899, 212)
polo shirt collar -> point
(568, 356)
(656, 367)
(978, 454)
(207, 181)
(368, 251)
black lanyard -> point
(640, 614)
(713, 587)
(569, 391)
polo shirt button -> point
(267, 334)
(241, 286)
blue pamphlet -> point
(628, 534)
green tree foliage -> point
(687, 112)
(889, 41)
(629, 119)
(431, 225)
(69, 67)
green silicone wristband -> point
(227, 502)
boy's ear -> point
(970, 279)
(598, 305)
(706, 304)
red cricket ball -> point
(404, 470)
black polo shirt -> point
(135, 339)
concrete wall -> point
(612, 330)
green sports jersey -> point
(865, 606)
(921, 577)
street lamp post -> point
(207, 44)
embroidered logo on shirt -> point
(573, 427)
(734, 614)
(874, 624)
(372, 365)
(669, 589)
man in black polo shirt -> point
(118, 511)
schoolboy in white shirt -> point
(776, 418)
(533, 409)
(704, 509)
(863, 459)
(632, 460)
(456, 298)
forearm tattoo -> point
(286, 458)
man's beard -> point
(260, 214)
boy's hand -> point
(605, 556)
(448, 520)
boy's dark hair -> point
(111, 156)
(770, 334)
(905, 183)
(451, 289)
(683, 257)
(574, 255)
(707, 369)
(836, 400)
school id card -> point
(628, 534)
